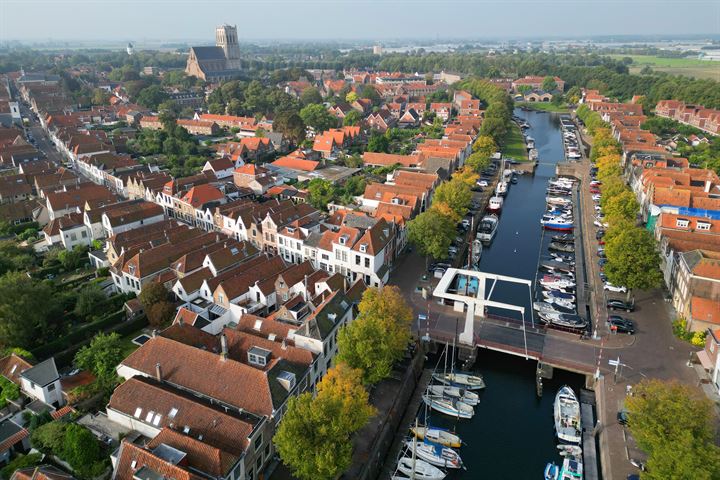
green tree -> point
(89, 301)
(351, 97)
(674, 424)
(485, 145)
(478, 162)
(369, 92)
(82, 451)
(310, 96)
(291, 125)
(432, 233)
(72, 259)
(623, 206)
(378, 143)
(456, 194)
(314, 438)
(378, 337)
(101, 357)
(317, 117)
(549, 84)
(633, 260)
(14, 257)
(25, 307)
(155, 300)
(353, 117)
(100, 97)
(152, 96)
(20, 462)
(322, 192)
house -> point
(377, 159)
(409, 119)
(74, 198)
(221, 167)
(43, 472)
(535, 82)
(709, 357)
(255, 178)
(13, 439)
(538, 96)
(326, 144)
(42, 382)
(380, 120)
(696, 292)
(442, 110)
(67, 232)
(130, 215)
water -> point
(511, 435)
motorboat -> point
(419, 469)
(530, 143)
(558, 266)
(465, 396)
(558, 294)
(564, 320)
(544, 307)
(563, 257)
(449, 406)
(440, 436)
(558, 201)
(556, 281)
(533, 154)
(551, 471)
(488, 228)
(501, 188)
(564, 238)
(514, 180)
(573, 450)
(566, 411)
(562, 303)
(557, 223)
(562, 247)
(574, 155)
(476, 251)
(461, 379)
(572, 469)
(435, 454)
(495, 204)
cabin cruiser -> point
(552, 294)
(564, 238)
(557, 223)
(562, 247)
(564, 320)
(495, 204)
(488, 228)
(558, 200)
(554, 281)
(501, 188)
(437, 435)
(567, 416)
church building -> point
(221, 62)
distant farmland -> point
(690, 67)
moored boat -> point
(551, 471)
(562, 247)
(572, 469)
(436, 454)
(461, 379)
(437, 435)
(422, 470)
(449, 406)
(465, 396)
(495, 204)
(567, 416)
(488, 228)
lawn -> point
(127, 345)
(513, 145)
(543, 106)
(689, 67)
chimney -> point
(305, 292)
(223, 346)
(158, 372)
(154, 332)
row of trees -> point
(633, 260)
(314, 438)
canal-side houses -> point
(705, 119)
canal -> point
(511, 435)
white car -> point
(595, 182)
(614, 288)
(482, 183)
(596, 197)
(600, 224)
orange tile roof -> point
(705, 310)
(201, 194)
(132, 458)
(295, 163)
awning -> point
(705, 360)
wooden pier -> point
(590, 461)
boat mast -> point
(412, 473)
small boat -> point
(573, 450)
(533, 154)
(551, 471)
(546, 307)
(567, 416)
(572, 469)
(461, 379)
(562, 247)
(559, 266)
(551, 281)
(558, 294)
(558, 223)
(437, 435)
(449, 406)
(564, 238)
(557, 200)
(562, 303)
(495, 204)
(563, 257)
(488, 228)
(422, 471)
(501, 188)
(476, 251)
(564, 320)
(435, 454)
(465, 396)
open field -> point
(513, 145)
(543, 106)
(689, 67)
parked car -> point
(621, 324)
(614, 288)
(481, 183)
(436, 265)
(622, 417)
(599, 234)
(614, 304)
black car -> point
(620, 305)
(599, 234)
(622, 417)
(621, 324)
(438, 265)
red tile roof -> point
(705, 310)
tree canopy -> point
(632, 258)
(456, 195)
(26, 307)
(316, 116)
(432, 233)
(101, 357)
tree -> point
(309, 96)
(477, 162)
(89, 300)
(456, 194)
(432, 233)
(351, 97)
(467, 175)
(524, 89)
(378, 337)
(72, 259)
(291, 125)
(549, 84)
(160, 314)
(353, 117)
(82, 451)
(14, 257)
(371, 93)
(485, 145)
(317, 117)
(101, 357)
(322, 192)
(632, 258)
(622, 206)
(100, 97)
(25, 307)
(378, 143)
(152, 96)
(155, 300)
(673, 423)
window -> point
(367, 263)
(173, 412)
(682, 223)
(258, 462)
(51, 387)
(357, 260)
(83, 234)
(258, 442)
(149, 416)
(703, 226)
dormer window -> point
(258, 357)
(703, 225)
(343, 239)
(682, 223)
(363, 247)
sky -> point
(184, 20)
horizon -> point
(322, 21)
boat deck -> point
(590, 461)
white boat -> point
(464, 380)
(422, 471)
(501, 188)
(572, 469)
(488, 228)
(533, 154)
(465, 396)
(562, 303)
(552, 294)
(558, 200)
(544, 307)
(437, 435)
(551, 471)
(557, 223)
(476, 251)
(495, 204)
(449, 406)
(556, 282)
(574, 155)
(567, 416)
(573, 450)
(435, 454)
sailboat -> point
(422, 470)
(567, 416)
(449, 406)
(465, 396)
(437, 435)
(436, 454)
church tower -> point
(226, 38)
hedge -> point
(78, 335)
(21, 227)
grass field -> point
(543, 106)
(689, 67)
(513, 145)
